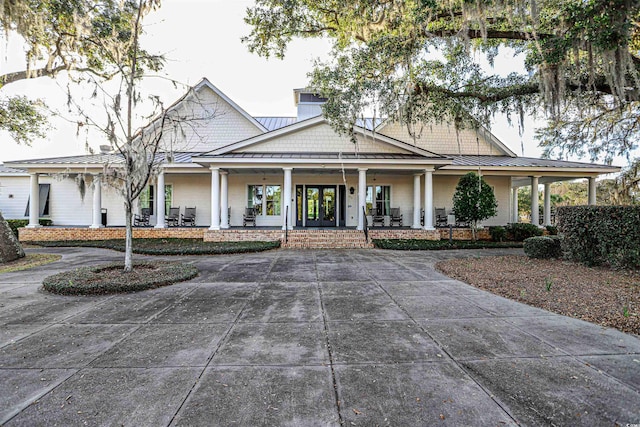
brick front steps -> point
(304, 238)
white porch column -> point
(592, 191)
(546, 219)
(515, 214)
(215, 198)
(535, 214)
(428, 199)
(287, 199)
(416, 200)
(362, 196)
(160, 200)
(224, 199)
(97, 202)
(34, 201)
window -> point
(43, 200)
(147, 198)
(266, 199)
(379, 196)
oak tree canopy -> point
(425, 61)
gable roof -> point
(487, 135)
(206, 83)
(305, 124)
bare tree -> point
(141, 149)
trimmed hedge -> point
(519, 231)
(109, 278)
(14, 224)
(422, 245)
(595, 235)
(543, 247)
(170, 246)
(498, 233)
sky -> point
(201, 38)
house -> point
(297, 172)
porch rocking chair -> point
(189, 217)
(142, 220)
(441, 217)
(376, 218)
(396, 217)
(249, 217)
(173, 218)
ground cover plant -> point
(169, 246)
(28, 261)
(596, 294)
(421, 245)
(111, 278)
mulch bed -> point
(598, 295)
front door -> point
(320, 206)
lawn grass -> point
(28, 261)
(431, 245)
(169, 246)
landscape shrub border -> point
(14, 224)
(422, 245)
(595, 235)
(543, 247)
(90, 281)
(519, 231)
(169, 246)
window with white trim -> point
(379, 196)
(266, 199)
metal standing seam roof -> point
(328, 155)
(4, 170)
(274, 123)
(505, 161)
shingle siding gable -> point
(442, 139)
(228, 125)
(320, 138)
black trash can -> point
(103, 211)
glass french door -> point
(320, 206)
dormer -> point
(309, 104)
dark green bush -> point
(109, 278)
(169, 246)
(423, 245)
(552, 229)
(595, 235)
(498, 233)
(14, 224)
(542, 247)
(519, 231)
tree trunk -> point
(10, 248)
(128, 240)
(474, 227)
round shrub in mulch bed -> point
(110, 278)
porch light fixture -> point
(352, 190)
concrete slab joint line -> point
(304, 337)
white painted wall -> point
(14, 194)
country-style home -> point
(295, 172)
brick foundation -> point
(309, 238)
(77, 233)
(243, 235)
(403, 233)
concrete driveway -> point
(303, 338)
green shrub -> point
(542, 247)
(519, 231)
(109, 278)
(552, 229)
(595, 235)
(498, 233)
(170, 246)
(14, 224)
(425, 245)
